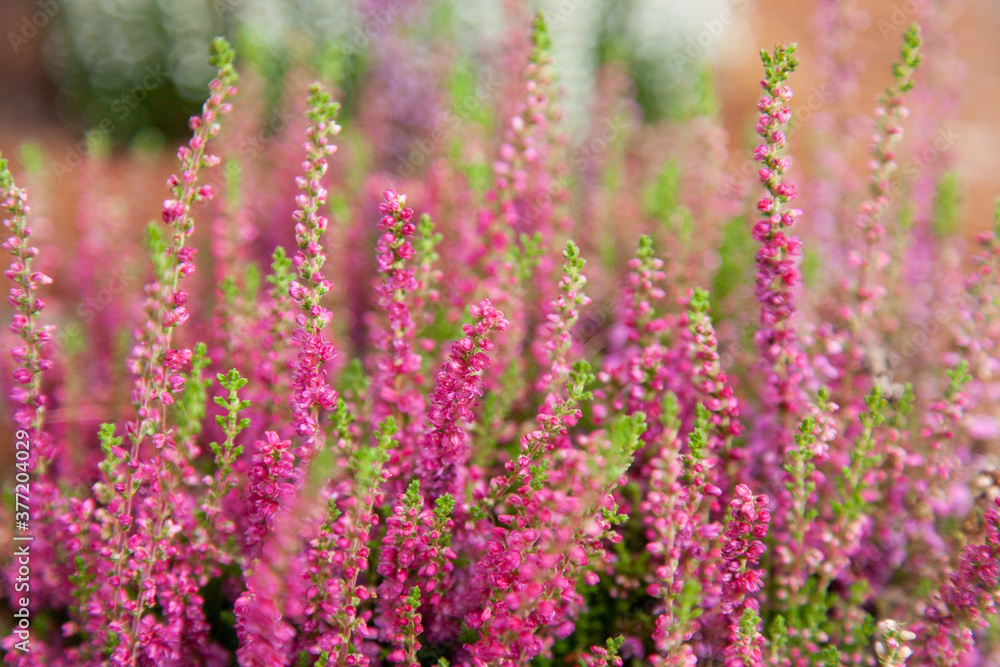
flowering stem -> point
(888, 132)
(29, 357)
(311, 391)
(777, 271)
(154, 358)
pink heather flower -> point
(30, 415)
(647, 366)
(604, 657)
(778, 274)
(560, 516)
(741, 578)
(136, 551)
(746, 642)
(743, 547)
(395, 386)
(945, 635)
(311, 391)
(444, 449)
(268, 481)
(717, 394)
(265, 639)
(555, 341)
(337, 557)
(415, 555)
(135, 544)
(676, 540)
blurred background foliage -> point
(136, 67)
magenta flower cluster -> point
(414, 439)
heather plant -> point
(451, 426)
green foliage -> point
(779, 64)
(906, 219)
(704, 99)
(852, 482)
(425, 244)
(225, 454)
(947, 204)
(576, 387)
(190, 411)
(366, 462)
(157, 249)
(698, 305)
(82, 582)
(322, 109)
(443, 508)
(354, 382)
(778, 636)
(811, 267)
(414, 597)
(645, 252)
(903, 407)
(748, 631)
(251, 282)
(540, 39)
(525, 256)
(863, 632)
(687, 606)
(114, 456)
(957, 377)
(608, 654)
(478, 174)
(662, 201)
(221, 56)
(735, 259)
(669, 410)
(573, 267)
(412, 498)
(495, 408)
(233, 178)
(829, 656)
(800, 469)
(625, 438)
(625, 434)
(32, 157)
(231, 424)
(468, 97)
(903, 71)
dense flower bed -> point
(451, 448)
